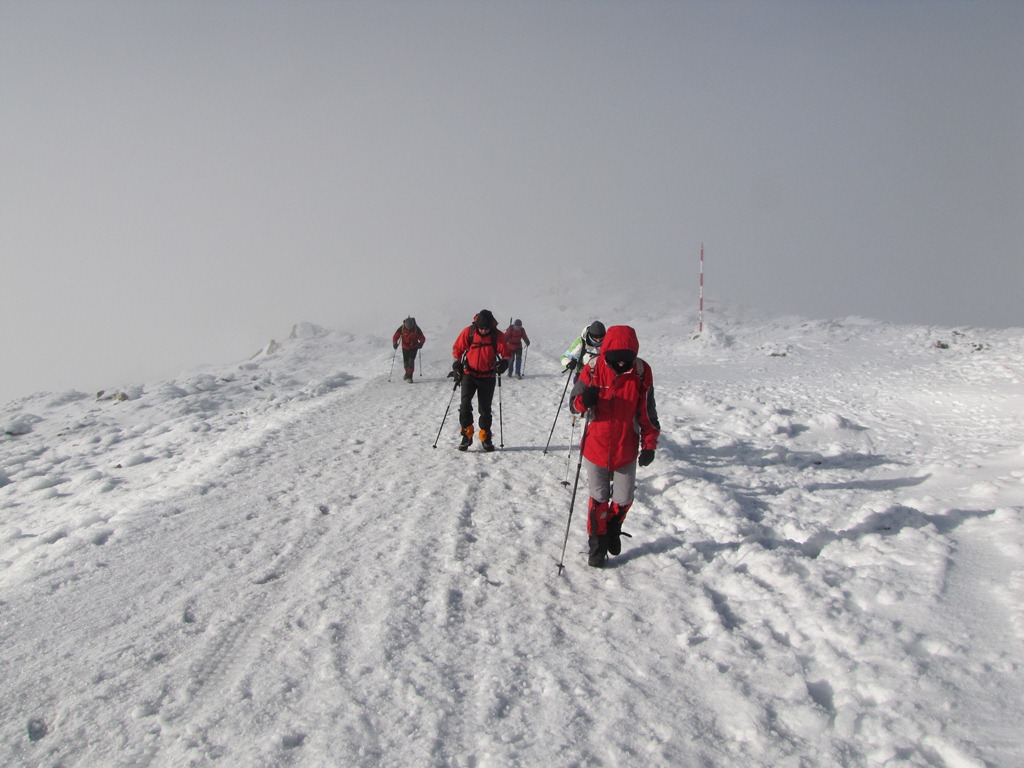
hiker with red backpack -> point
(480, 357)
(515, 338)
(412, 339)
(617, 391)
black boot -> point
(467, 438)
(614, 531)
(485, 440)
(598, 551)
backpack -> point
(472, 335)
(402, 331)
(514, 336)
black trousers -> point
(409, 359)
(484, 391)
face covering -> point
(620, 360)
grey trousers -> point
(618, 486)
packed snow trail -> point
(272, 566)
(304, 575)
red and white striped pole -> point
(700, 328)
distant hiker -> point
(584, 348)
(480, 355)
(618, 390)
(411, 338)
(515, 338)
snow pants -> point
(409, 361)
(611, 495)
(515, 362)
(484, 391)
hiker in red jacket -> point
(480, 356)
(515, 338)
(618, 391)
(412, 339)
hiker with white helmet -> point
(584, 348)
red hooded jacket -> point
(625, 419)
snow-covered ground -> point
(268, 564)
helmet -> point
(518, 323)
(596, 332)
(410, 323)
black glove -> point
(457, 376)
(395, 345)
(589, 396)
(457, 367)
(571, 365)
(646, 457)
(501, 366)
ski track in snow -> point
(271, 566)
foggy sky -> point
(180, 182)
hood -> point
(620, 337)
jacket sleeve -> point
(650, 427)
(420, 338)
(397, 336)
(576, 396)
(461, 344)
(501, 347)
(573, 352)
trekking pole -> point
(568, 456)
(567, 378)
(420, 361)
(501, 425)
(575, 485)
(526, 352)
(393, 363)
(457, 382)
